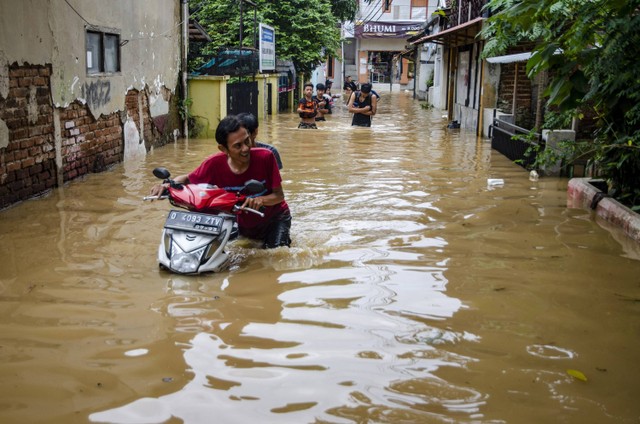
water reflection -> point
(329, 342)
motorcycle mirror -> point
(253, 187)
(162, 173)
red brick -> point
(25, 82)
(13, 166)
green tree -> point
(307, 31)
(590, 49)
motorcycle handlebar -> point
(155, 197)
(251, 210)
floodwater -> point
(414, 292)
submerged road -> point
(414, 292)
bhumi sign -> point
(395, 29)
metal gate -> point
(269, 98)
(504, 140)
(242, 97)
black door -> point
(242, 97)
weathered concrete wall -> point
(57, 122)
(41, 32)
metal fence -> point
(508, 139)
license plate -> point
(193, 221)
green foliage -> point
(590, 50)
(345, 10)
(430, 80)
(184, 110)
(557, 120)
(307, 31)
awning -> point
(515, 57)
(510, 58)
(457, 36)
(407, 54)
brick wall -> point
(134, 101)
(27, 143)
(89, 145)
(27, 161)
(525, 111)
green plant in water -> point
(184, 110)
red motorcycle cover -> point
(204, 198)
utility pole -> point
(242, 30)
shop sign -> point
(394, 29)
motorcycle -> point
(194, 239)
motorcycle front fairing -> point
(194, 243)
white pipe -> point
(185, 53)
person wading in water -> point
(363, 106)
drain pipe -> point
(185, 52)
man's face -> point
(238, 146)
(320, 93)
(308, 91)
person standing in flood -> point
(349, 86)
(363, 106)
(321, 100)
(307, 108)
(250, 123)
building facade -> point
(83, 85)
(372, 46)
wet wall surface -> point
(414, 291)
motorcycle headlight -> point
(186, 262)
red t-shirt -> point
(262, 167)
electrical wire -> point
(372, 11)
(77, 13)
(125, 41)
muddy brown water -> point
(414, 292)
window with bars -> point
(103, 52)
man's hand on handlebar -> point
(158, 189)
(256, 203)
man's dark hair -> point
(320, 86)
(365, 88)
(308, 85)
(228, 125)
(249, 121)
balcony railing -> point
(464, 11)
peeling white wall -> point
(40, 32)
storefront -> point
(379, 48)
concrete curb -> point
(580, 194)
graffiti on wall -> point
(97, 93)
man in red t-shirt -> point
(236, 164)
